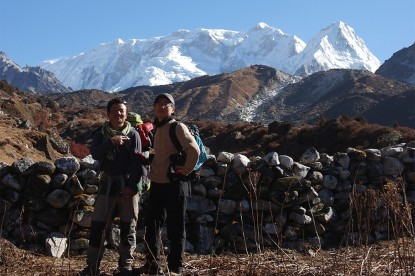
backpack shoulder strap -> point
(173, 136)
(98, 129)
(129, 144)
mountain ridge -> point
(184, 55)
(264, 94)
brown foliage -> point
(329, 136)
(41, 119)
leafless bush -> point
(388, 139)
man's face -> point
(117, 114)
(163, 108)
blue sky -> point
(33, 31)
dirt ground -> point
(384, 258)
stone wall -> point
(238, 203)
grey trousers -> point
(101, 220)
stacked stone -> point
(237, 203)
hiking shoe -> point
(124, 272)
(151, 269)
(89, 271)
(176, 271)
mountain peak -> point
(29, 79)
(338, 24)
(262, 25)
(7, 64)
(337, 28)
(337, 46)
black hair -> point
(115, 101)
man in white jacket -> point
(169, 190)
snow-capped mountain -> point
(336, 46)
(184, 55)
(29, 79)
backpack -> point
(143, 129)
(194, 130)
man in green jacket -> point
(116, 145)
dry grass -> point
(384, 258)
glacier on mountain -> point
(185, 54)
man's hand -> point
(179, 171)
(118, 140)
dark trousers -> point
(167, 203)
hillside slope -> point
(42, 129)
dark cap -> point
(165, 95)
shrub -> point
(389, 139)
(361, 120)
(41, 119)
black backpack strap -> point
(95, 131)
(173, 136)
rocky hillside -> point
(30, 79)
(263, 94)
(401, 66)
(215, 98)
(343, 92)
